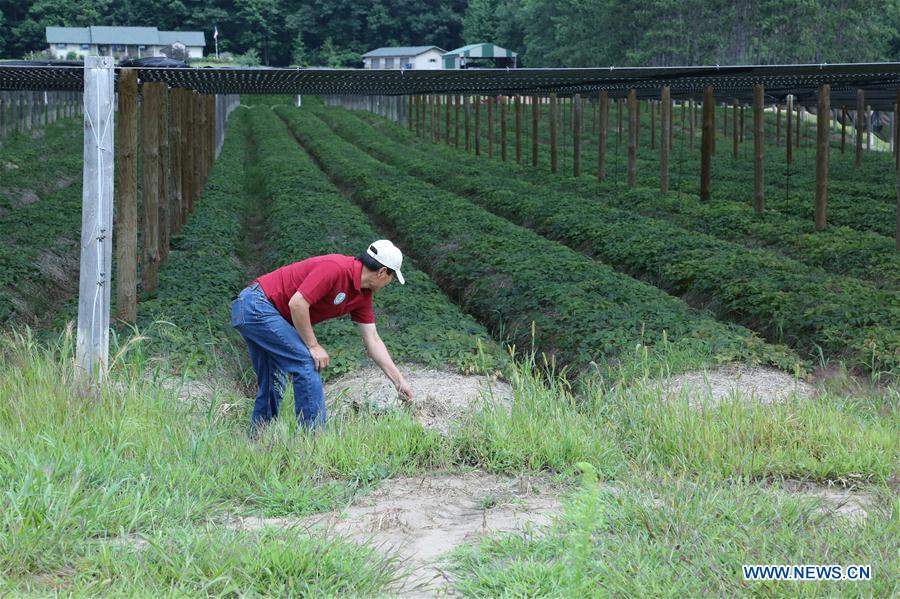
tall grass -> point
(677, 537)
(85, 472)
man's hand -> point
(405, 390)
(319, 356)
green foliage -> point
(299, 56)
(527, 288)
(781, 298)
(571, 33)
(250, 58)
(307, 216)
(39, 253)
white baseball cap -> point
(389, 255)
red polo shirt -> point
(331, 285)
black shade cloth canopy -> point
(879, 80)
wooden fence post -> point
(446, 101)
(632, 137)
(519, 129)
(789, 129)
(175, 148)
(619, 118)
(190, 129)
(692, 119)
(653, 124)
(869, 127)
(759, 203)
(742, 123)
(799, 122)
(671, 131)
(92, 342)
(725, 119)
(126, 199)
(603, 126)
(211, 157)
(576, 135)
(187, 153)
(410, 112)
(535, 121)
(436, 119)
(200, 116)
(637, 129)
(165, 179)
(553, 124)
(843, 127)
(466, 100)
(707, 133)
(860, 115)
(777, 124)
(822, 146)
(478, 125)
(734, 132)
(490, 118)
(417, 109)
(151, 101)
(29, 108)
(502, 115)
(457, 100)
(665, 122)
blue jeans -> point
(276, 352)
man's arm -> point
(377, 350)
(300, 317)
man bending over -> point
(275, 315)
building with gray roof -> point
(404, 57)
(121, 42)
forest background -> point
(545, 33)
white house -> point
(121, 42)
(410, 57)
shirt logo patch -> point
(339, 298)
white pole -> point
(92, 347)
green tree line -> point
(582, 33)
(551, 33)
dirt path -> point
(422, 519)
(442, 398)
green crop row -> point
(308, 216)
(39, 254)
(862, 198)
(528, 288)
(840, 250)
(190, 312)
(781, 298)
(35, 164)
